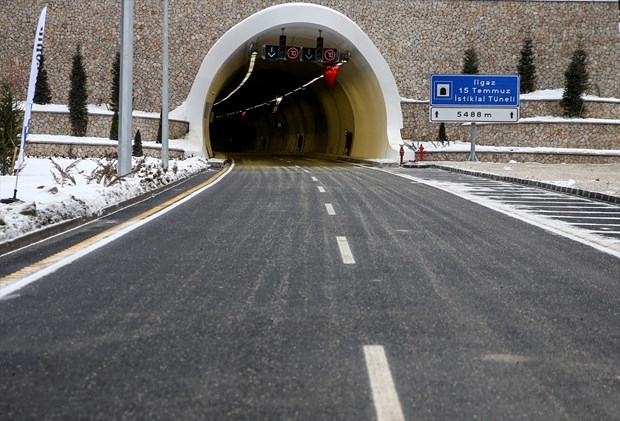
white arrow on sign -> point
(474, 115)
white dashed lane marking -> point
(384, 393)
(330, 209)
(345, 251)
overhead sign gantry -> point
(298, 53)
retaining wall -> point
(99, 125)
(416, 37)
(79, 150)
(556, 133)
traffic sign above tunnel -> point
(298, 53)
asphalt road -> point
(254, 300)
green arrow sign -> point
(270, 52)
(309, 54)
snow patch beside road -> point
(56, 190)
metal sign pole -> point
(472, 154)
(125, 101)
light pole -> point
(164, 89)
(126, 86)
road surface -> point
(296, 288)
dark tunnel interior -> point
(296, 125)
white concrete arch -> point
(366, 79)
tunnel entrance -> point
(360, 116)
(251, 121)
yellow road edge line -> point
(41, 264)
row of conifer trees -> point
(576, 78)
(576, 83)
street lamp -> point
(125, 101)
(164, 89)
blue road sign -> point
(474, 90)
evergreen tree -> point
(10, 126)
(158, 140)
(575, 83)
(470, 62)
(114, 125)
(442, 136)
(115, 95)
(137, 145)
(526, 67)
(116, 79)
(78, 96)
(42, 93)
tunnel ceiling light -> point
(278, 100)
(245, 79)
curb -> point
(64, 226)
(547, 186)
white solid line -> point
(315, 179)
(596, 218)
(384, 393)
(321, 189)
(330, 209)
(345, 251)
(582, 224)
(570, 210)
(14, 286)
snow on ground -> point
(104, 109)
(47, 138)
(460, 146)
(59, 189)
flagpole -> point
(34, 71)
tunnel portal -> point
(359, 115)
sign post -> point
(474, 99)
(472, 141)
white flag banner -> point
(34, 71)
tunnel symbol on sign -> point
(442, 90)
